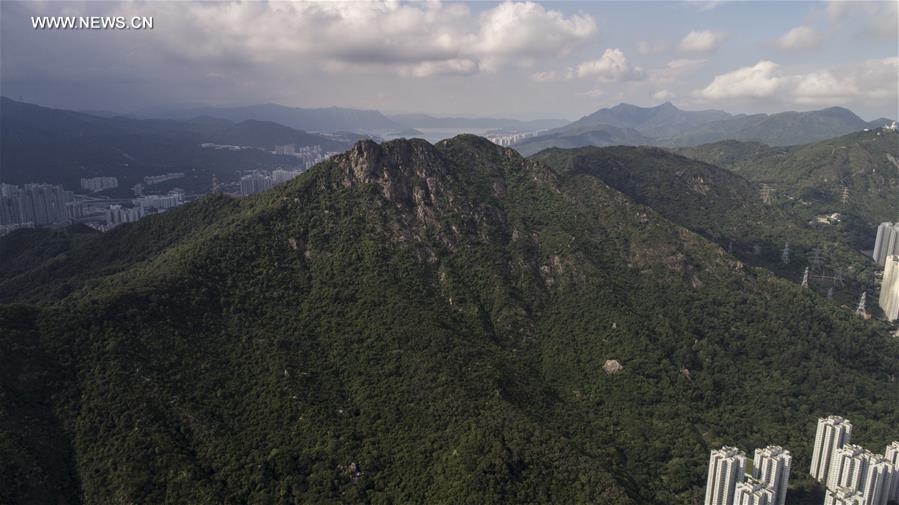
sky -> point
(513, 59)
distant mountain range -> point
(514, 125)
(658, 122)
(39, 144)
(330, 119)
(352, 120)
(581, 135)
(667, 125)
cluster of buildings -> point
(728, 483)
(510, 139)
(851, 474)
(886, 255)
(309, 154)
(96, 184)
(156, 179)
(116, 214)
(257, 182)
(32, 205)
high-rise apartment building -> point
(771, 466)
(889, 288)
(848, 467)
(833, 432)
(877, 480)
(887, 242)
(842, 496)
(254, 183)
(892, 456)
(753, 492)
(40, 204)
(726, 470)
(95, 184)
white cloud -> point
(684, 64)
(757, 81)
(674, 70)
(824, 87)
(704, 5)
(877, 18)
(645, 47)
(864, 81)
(663, 95)
(459, 66)
(553, 76)
(416, 39)
(702, 41)
(612, 66)
(801, 37)
(523, 32)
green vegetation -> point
(810, 179)
(724, 208)
(409, 323)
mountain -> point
(39, 144)
(661, 121)
(666, 125)
(263, 134)
(580, 136)
(408, 323)
(513, 125)
(812, 178)
(784, 128)
(880, 122)
(722, 207)
(328, 119)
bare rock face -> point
(612, 366)
(407, 171)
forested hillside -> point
(855, 175)
(727, 209)
(408, 323)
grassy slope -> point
(440, 316)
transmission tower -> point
(860, 310)
(765, 193)
(815, 259)
(844, 195)
(830, 293)
(730, 247)
(785, 256)
(805, 278)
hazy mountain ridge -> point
(429, 121)
(581, 135)
(325, 119)
(660, 121)
(88, 146)
(416, 323)
(666, 125)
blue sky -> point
(513, 59)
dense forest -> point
(728, 210)
(408, 323)
(855, 175)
